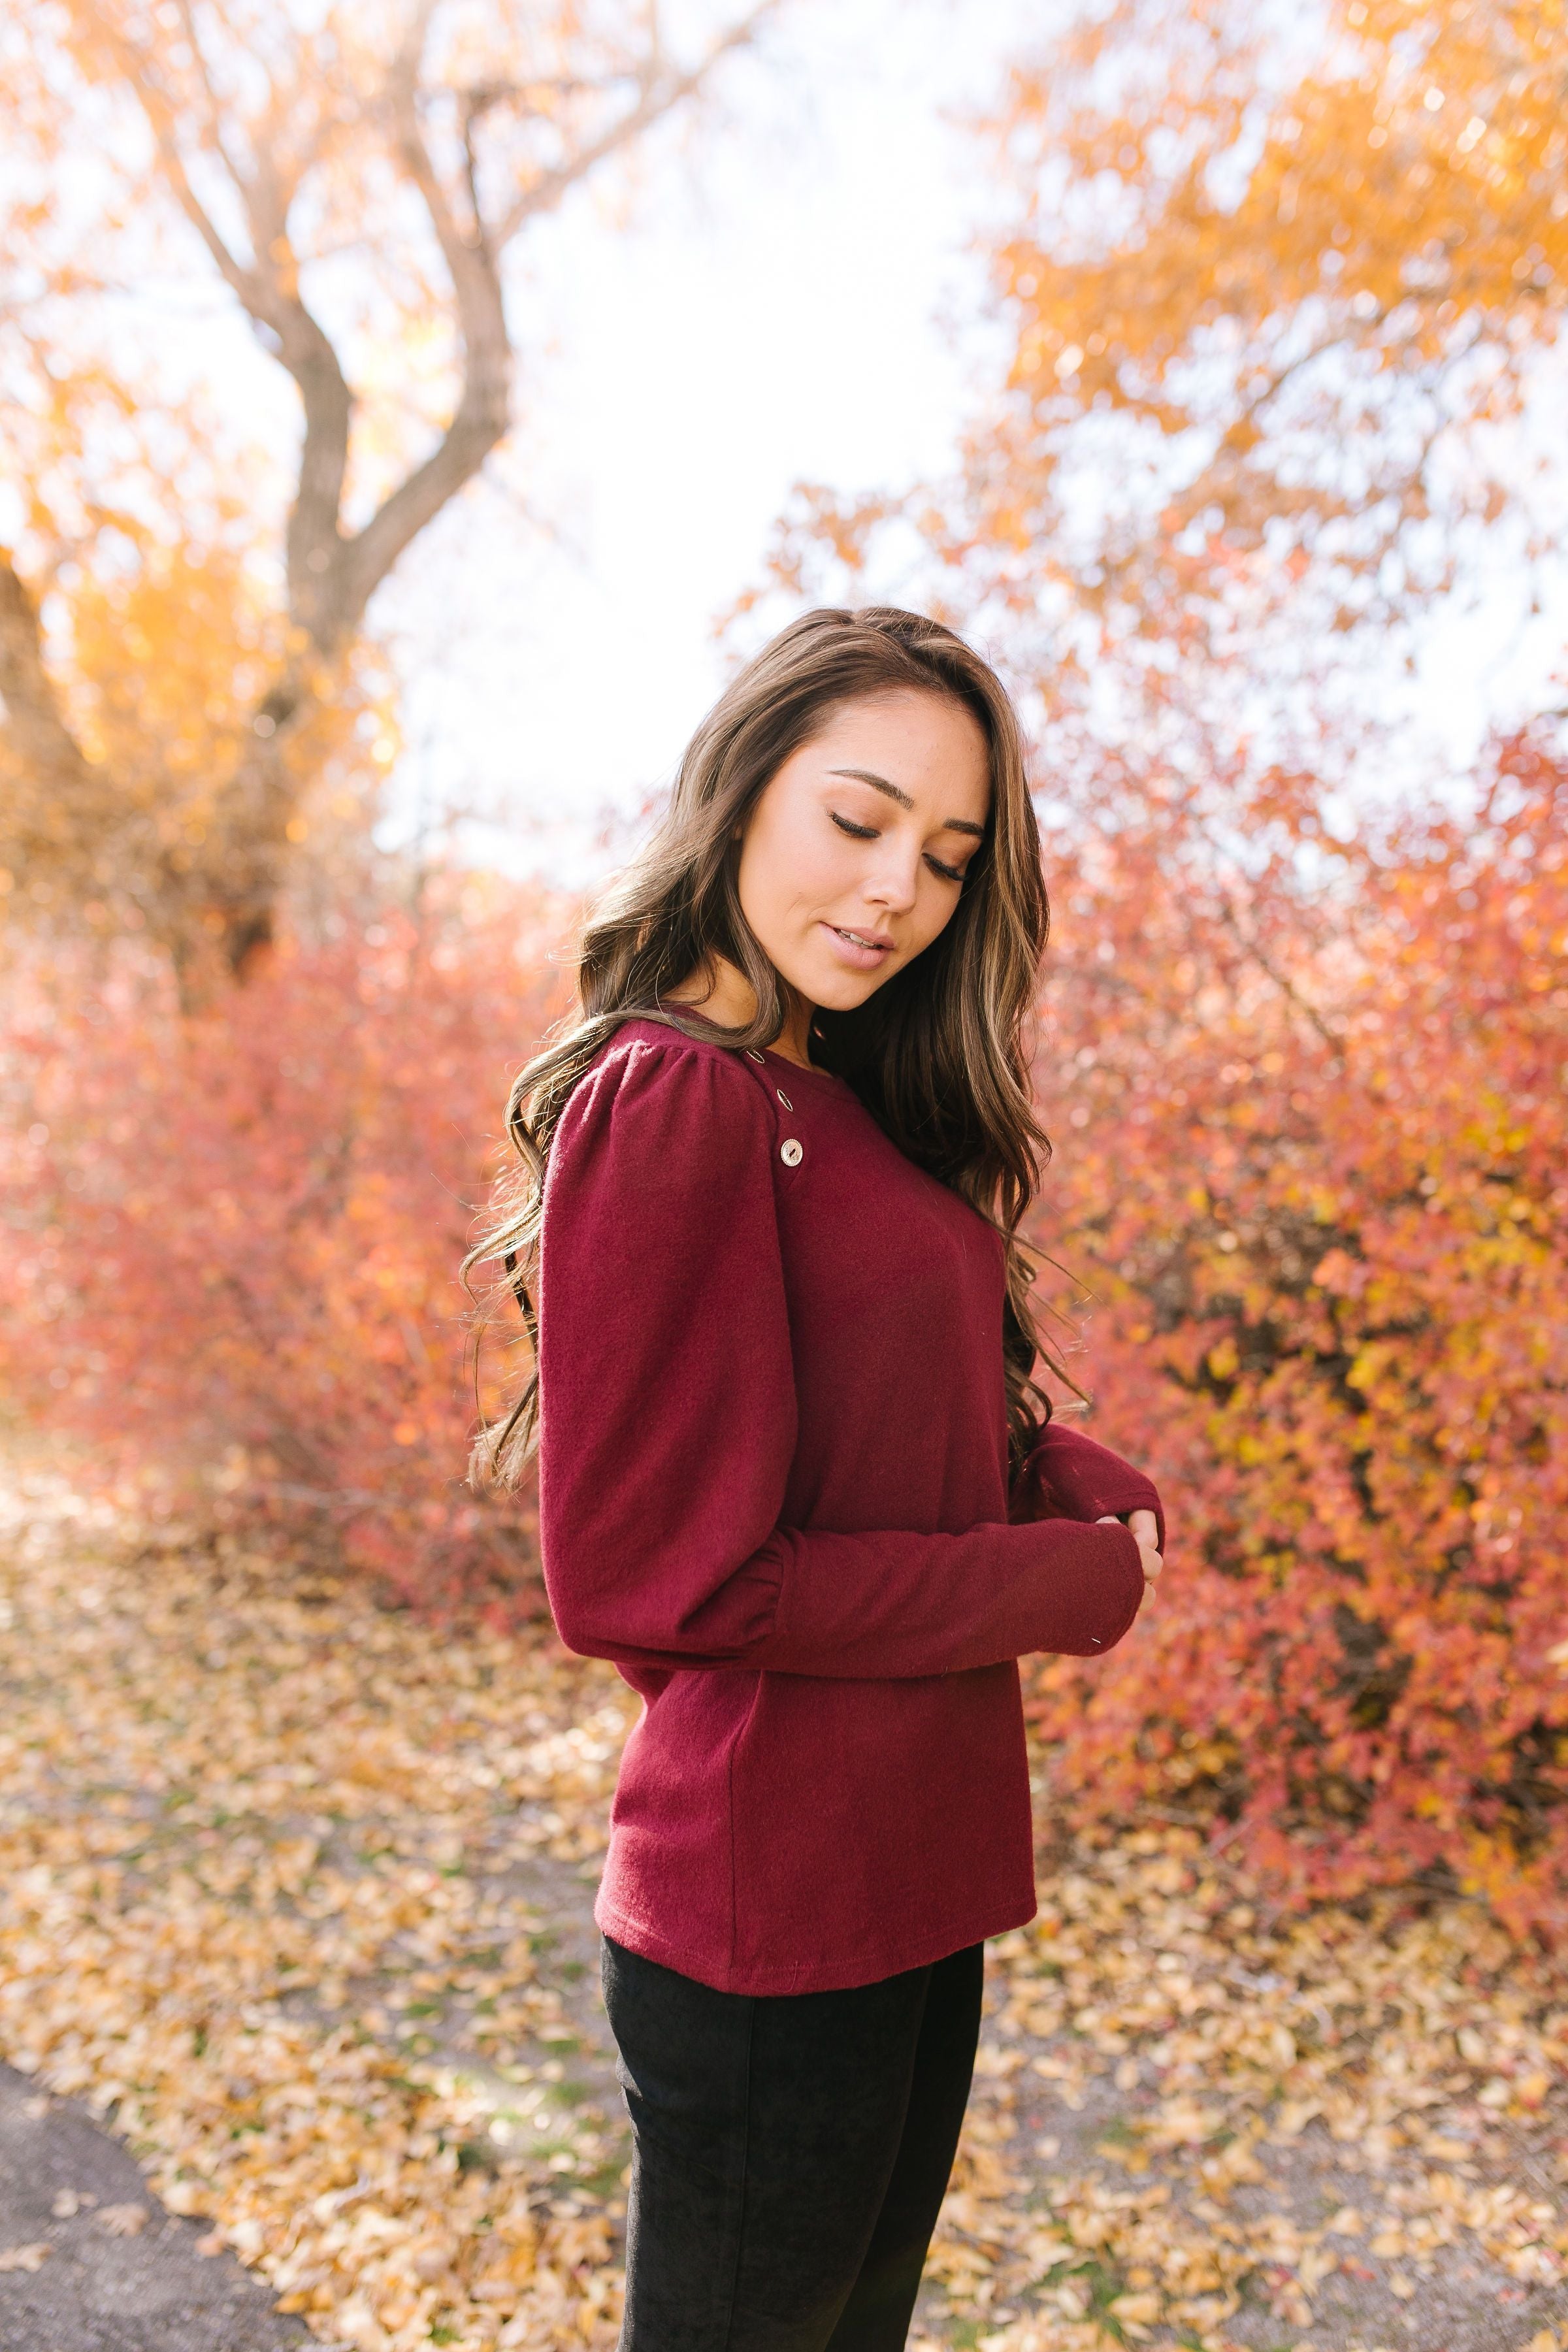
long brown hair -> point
(937, 1055)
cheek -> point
(934, 908)
(791, 866)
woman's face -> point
(854, 855)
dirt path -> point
(98, 2265)
(95, 2263)
(294, 1899)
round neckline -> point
(801, 1069)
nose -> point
(893, 889)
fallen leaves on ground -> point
(261, 1843)
(276, 1862)
(25, 2258)
(1193, 2121)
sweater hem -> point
(842, 1975)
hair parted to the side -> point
(937, 1055)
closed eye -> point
(869, 833)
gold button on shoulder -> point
(790, 1152)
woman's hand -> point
(1140, 1524)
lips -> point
(861, 950)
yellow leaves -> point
(1178, 2119)
(281, 1987)
(1185, 2123)
(29, 2257)
(1368, 1365)
(315, 1774)
(123, 2221)
(1145, 2306)
(1358, 222)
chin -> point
(835, 991)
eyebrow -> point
(880, 784)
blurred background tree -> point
(180, 707)
(1282, 300)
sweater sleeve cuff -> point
(1111, 1599)
(1072, 1476)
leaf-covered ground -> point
(296, 1893)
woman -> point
(795, 1479)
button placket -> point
(792, 1151)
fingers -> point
(1144, 1525)
(1144, 1536)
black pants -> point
(790, 2153)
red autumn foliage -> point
(235, 1238)
(1310, 1112)
(1312, 1128)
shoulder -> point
(647, 1067)
(664, 1108)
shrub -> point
(1314, 1163)
(235, 1237)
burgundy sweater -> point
(774, 1490)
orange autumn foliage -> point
(1283, 279)
(1313, 1164)
(1279, 308)
(234, 1241)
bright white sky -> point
(790, 291)
(770, 312)
(791, 294)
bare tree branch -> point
(483, 409)
(213, 107)
(141, 75)
(1281, 980)
(237, 171)
(267, 287)
(34, 722)
(1275, 382)
(484, 404)
(658, 98)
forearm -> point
(884, 1606)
